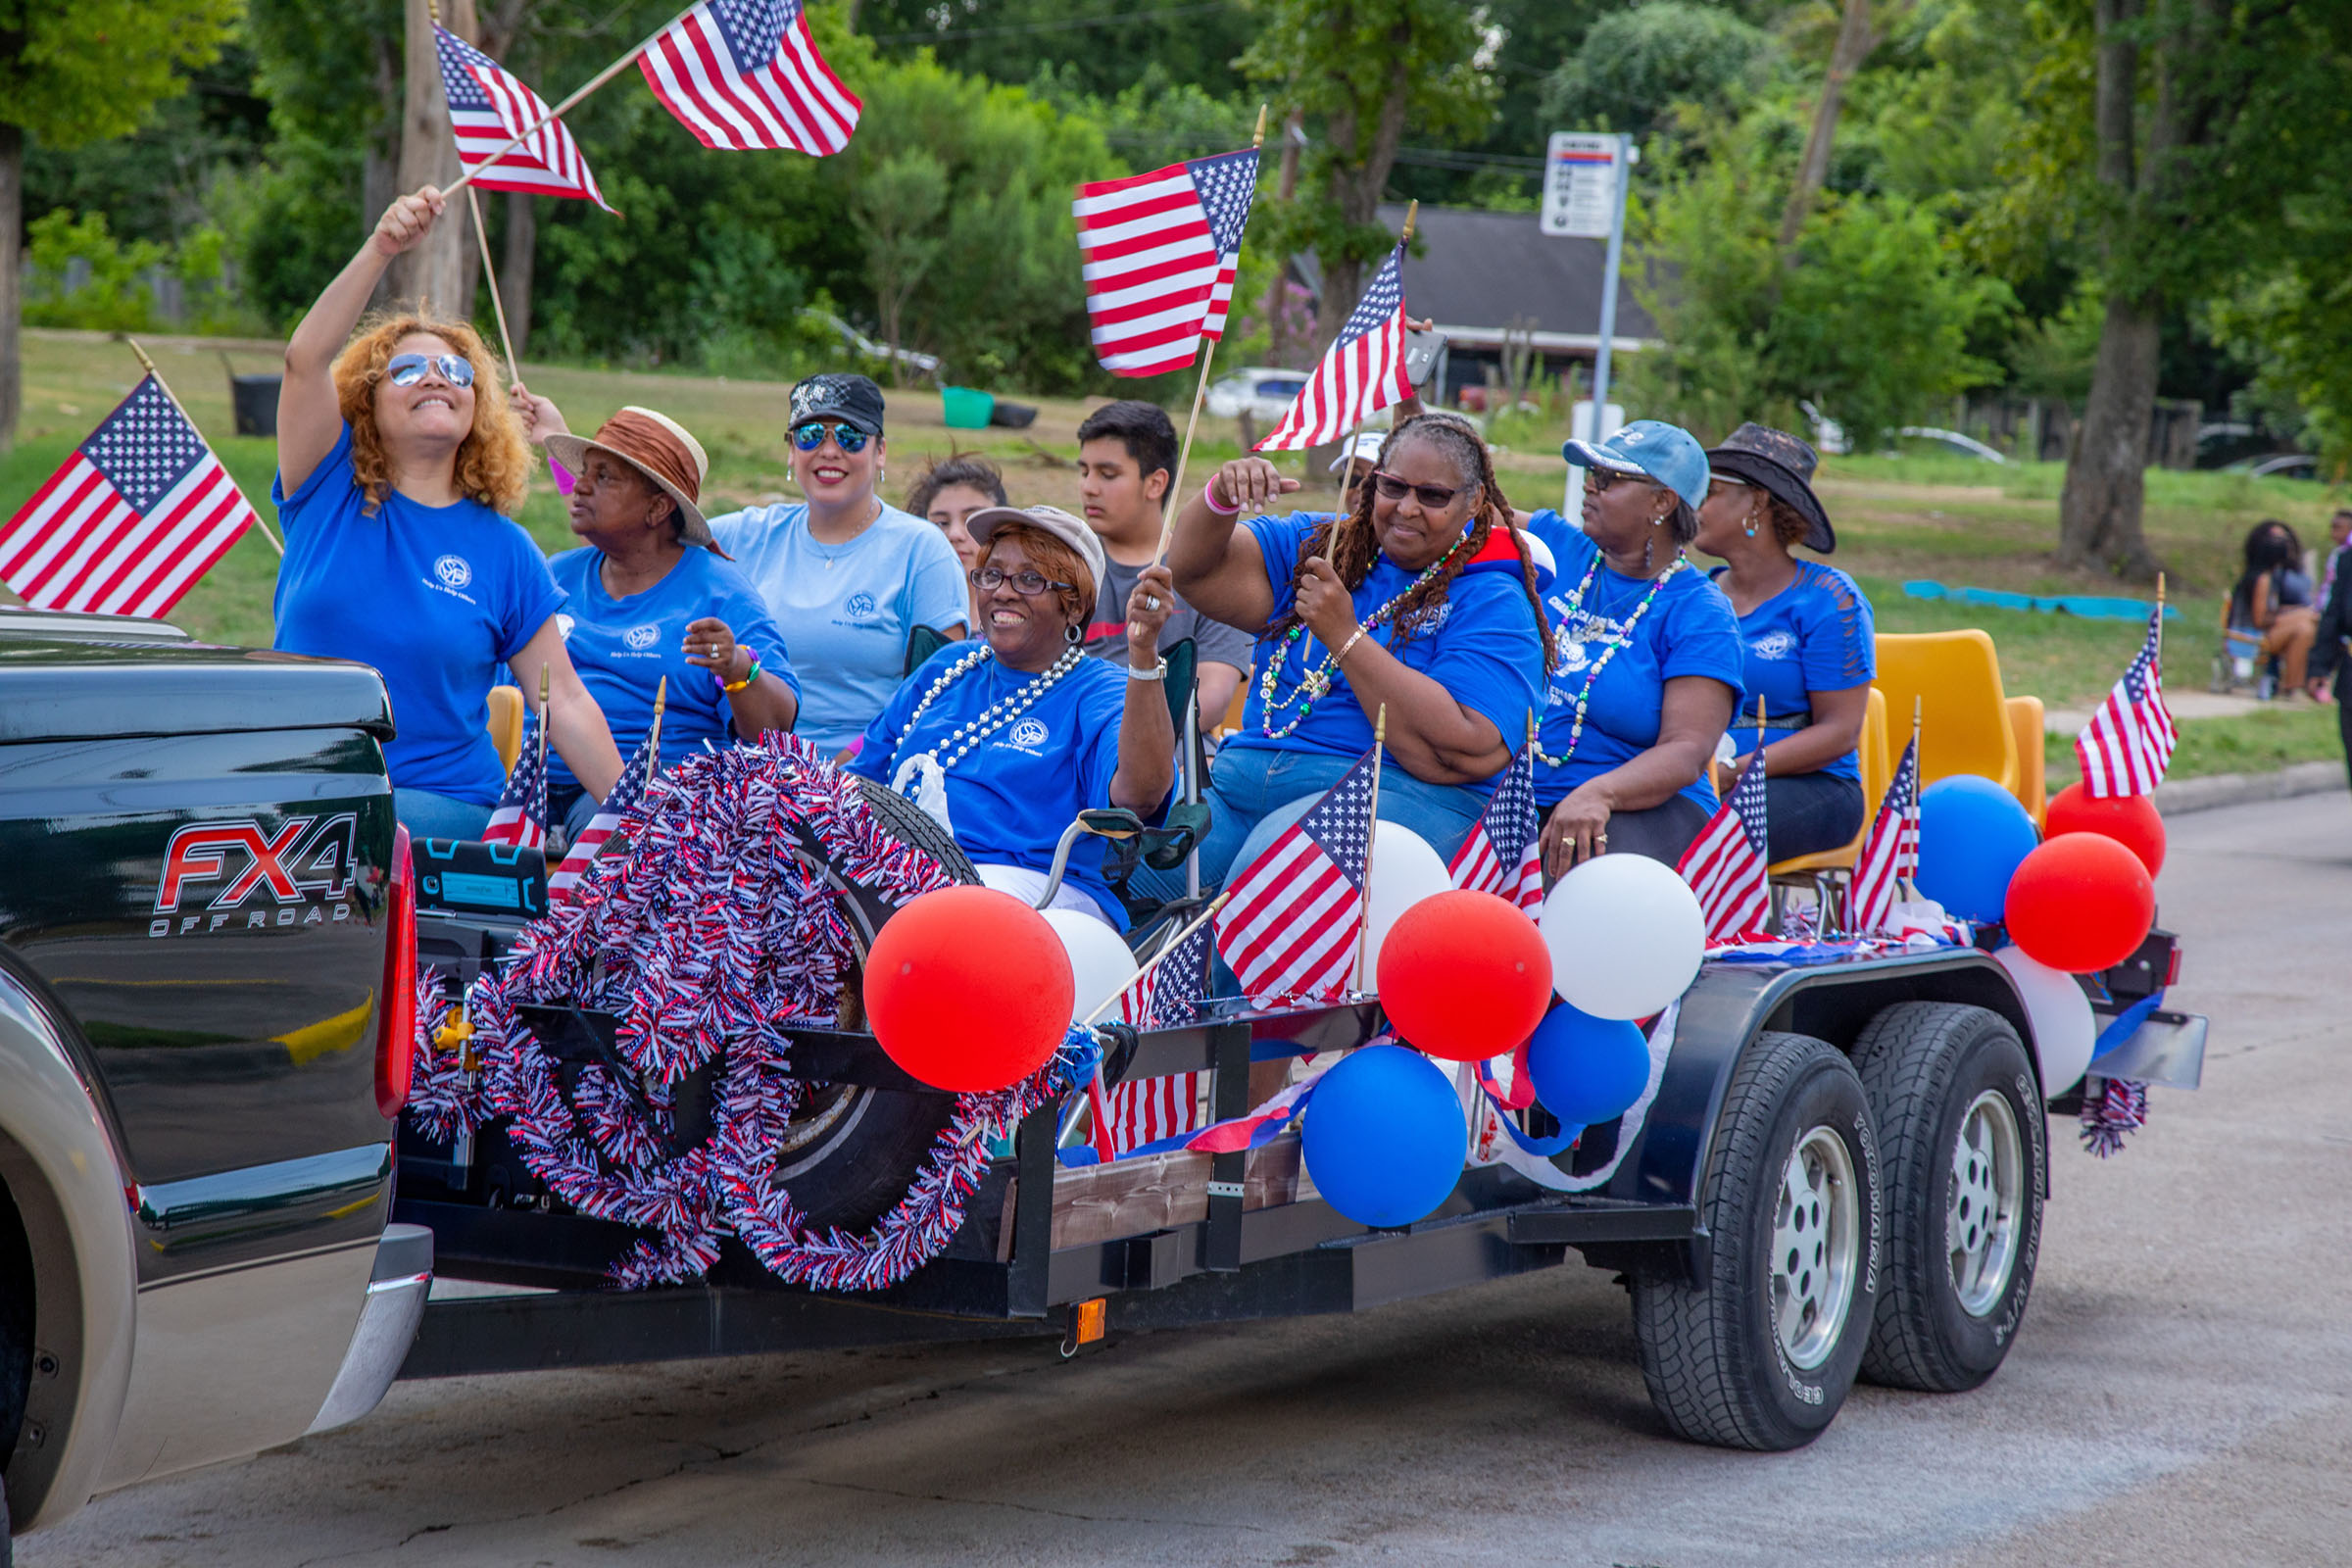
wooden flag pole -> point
(2160, 615)
(653, 752)
(148, 365)
(1173, 502)
(505, 340)
(1363, 906)
(1157, 958)
(590, 85)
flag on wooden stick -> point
(521, 816)
(2129, 742)
(1504, 852)
(745, 74)
(488, 108)
(1889, 854)
(140, 511)
(1725, 864)
(1291, 928)
(1363, 374)
(1159, 252)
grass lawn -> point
(1951, 520)
(2257, 742)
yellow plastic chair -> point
(1965, 723)
(506, 724)
(2026, 728)
(1824, 870)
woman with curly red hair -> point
(399, 466)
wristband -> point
(1209, 494)
(1158, 671)
(1340, 657)
(750, 675)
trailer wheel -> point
(1759, 1352)
(1961, 1121)
(849, 1155)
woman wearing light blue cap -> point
(1649, 660)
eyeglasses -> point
(809, 437)
(1029, 584)
(407, 369)
(1714, 479)
(1433, 497)
(1598, 480)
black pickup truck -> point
(206, 945)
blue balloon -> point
(1587, 1070)
(1972, 835)
(1385, 1137)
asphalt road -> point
(2181, 1392)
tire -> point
(1963, 1217)
(1795, 1122)
(910, 823)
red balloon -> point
(1464, 975)
(2081, 903)
(2131, 820)
(968, 988)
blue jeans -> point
(571, 808)
(427, 815)
(1251, 785)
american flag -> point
(1891, 852)
(1166, 996)
(1726, 864)
(2129, 742)
(488, 108)
(1363, 374)
(744, 74)
(1504, 852)
(1159, 252)
(140, 511)
(1293, 917)
(634, 774)
(521, 816)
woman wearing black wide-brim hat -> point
(1808, 633)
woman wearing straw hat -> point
(1808, 635)
(653, 598)
(399, 469)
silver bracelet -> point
(1158, 671)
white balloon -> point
(1625, 936)
(2064, 1030)
(1099, 962)
(1404, 871)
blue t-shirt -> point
(1688, 629)
(623, 647)
(1484, 650)
(850, 606)
(436, 598)
(1011, 796)
(1815, 635)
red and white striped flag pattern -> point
(140, 511)
(521, 816)
(1504, 852)
(2129, 742)
(1363, 374)
(566, 879)
(1726, 864)
(1889, 854)
(488, 108)
(1291, 919)
(1166, 995)
(745, 75)
(1159, 253)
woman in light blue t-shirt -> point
(849, 575)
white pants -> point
(1027, 886)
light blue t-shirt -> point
(436, 598)
(1011, 796)
(1815, 635)
(1484, 648)
(850, 606)
(622, 647)
(1688, 629)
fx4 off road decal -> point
(238, 874)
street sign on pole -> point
(1585, 179)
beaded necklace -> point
(1314, 682)
(1610, 642)
(998, 713)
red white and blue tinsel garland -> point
(703, 939)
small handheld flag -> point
(1166, 995)
(1504, 852)
(2129, 742)
(488, 108)
(1361, 374)
(1159, 252)
(521, 816)
(1891, 852)
(1291, 929)
(636, 774)
(745, 74)
(1726, 864)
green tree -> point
(73, 72)
(1634, 65)
(897, 208)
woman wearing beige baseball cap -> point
(653, 597)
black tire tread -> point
(904, 820)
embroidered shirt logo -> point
(1031, 734)
(564, 625)
(640, 638)
(453, 571)
(1774, 645)
(859, 607)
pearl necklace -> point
(1610, 642)
(998, 713)
(1313, 683)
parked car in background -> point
(1952, 443)
(1263, 392)
(2285, 465)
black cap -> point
(853, 400)
(1782, 467)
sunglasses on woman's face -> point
(407, 369)
(1433, 497)
(809, 437)
(1025, 582)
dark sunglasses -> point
(809, 437)
(1028, 583)
(1598, 480)
(407, 369)
(1433, 497)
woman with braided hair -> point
(1422, 597)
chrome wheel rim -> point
(1816, 1247)
(1984, 1202)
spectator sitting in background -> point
(2273, 599)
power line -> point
(1066, 25)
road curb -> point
(2236, 789)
